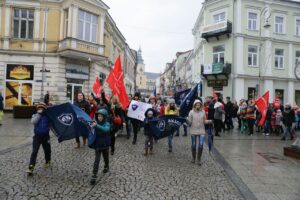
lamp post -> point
(265, 10)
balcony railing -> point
(216, 30)
(77, 45)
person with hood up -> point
(218, 115)
(288, 120)
(101, 142)
(197, 121)
(148, 131)
(41, 137)
(171, 109)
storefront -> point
(19, 85)
(297, 97)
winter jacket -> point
(1, 102)
(288, 117)
(269, 114)
(278, 119)
(94, 109)
(243, 113)
(234, 111)
(228, 109)
(41, 125)
(251, 112)
(219, 113)
(196, 120)
(211, 112)
(102, 131)
(83, 105)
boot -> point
(93, 180)
(84, 141)
(146, 152)
(105, 170)
(77, 145)
(283, 138)
(30, 169)
(48, 165)
(199, 156)
(193, 155)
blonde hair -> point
(115, 101)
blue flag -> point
(179, 96)
(164, 126)
(69, 121)
(187, 103)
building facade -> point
(243, 48)
(57, 46)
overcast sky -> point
(160, 27)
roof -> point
(151, 75)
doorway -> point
(72, 90)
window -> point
(252, 21)
(297, 57)
(251, 93)
(219, 17)
(252, 56)
(87, 26)
(23, 23)
(280, 94)
(66, 22)
(218, 54)
(298, 27)
(279, 24)
(279, 58)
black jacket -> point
(228, 109)
(288, 117)
(83, 105)
(211, 112)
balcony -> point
(216, 30)
(75, 48)
(216, 74)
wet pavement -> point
(260, 163)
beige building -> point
(57, 46)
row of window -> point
(23, 25)
(279, 24)
(219, 52)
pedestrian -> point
(288, 120)
(41, 137)
(210, 116)
(171, 109)
(1, 108)
(127, 119)
(93, 106)
(251, 116)
(85, 106)
(135, 122)
(197, 121)
(267, 126)
(243, 117)
(273, 121)
(148, 132)
(235, 109)
(228, 114)
(278, 124)
(218, 116)
(101, 143)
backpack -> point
(42, 127)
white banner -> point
(137, 110)
(207, 69)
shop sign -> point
(207, 69)
(19, 72)
(217, 68)
(74, 71)
(217, 83)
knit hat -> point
(170, 101)
(41, 105)
(197, 101)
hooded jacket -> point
(102, 130)
(148, 129)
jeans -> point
(105, 155)
(37, 142)
(200, 139)
(149, 142)
(218, 126)
(267, 126)
(244, 125)
(135, 125)
(251, 125)
(210, 138)
(288, 129)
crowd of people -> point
(210, 116)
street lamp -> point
(266, 11)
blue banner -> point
(164, 126)
(68, 122)
(187, 103)
(179, 96)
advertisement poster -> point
(13, 89)
(19, 72)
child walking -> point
(101, 143)
(149, 114)
(41, 137)
(243, 116)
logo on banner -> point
(66, 119)
(161, 125)
(134, 107)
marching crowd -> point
(210, 117)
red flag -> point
(215, 96)
(262, 105)
(115, 81)
(97, 87)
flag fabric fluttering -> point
(187, 103)
(115, 81)
(262, 105)
(97, 88)
(179, 96)
(68, 121)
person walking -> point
(135, 122)
(288, 120)
(197, 121)
(41, 137)
(250, 115)
(171, 109)
(85, 106)
(1, 108)
(148, 131)
(101, 142)
(218, 117)
(243, 116)
(228, 114)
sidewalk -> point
(14, 132)
(260, 163)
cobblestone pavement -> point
(132, 176)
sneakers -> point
(170, 150)
(267, 134)
(77, 145)
(93, 180)
(30, 169)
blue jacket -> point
(102, 140)
(41, 125)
